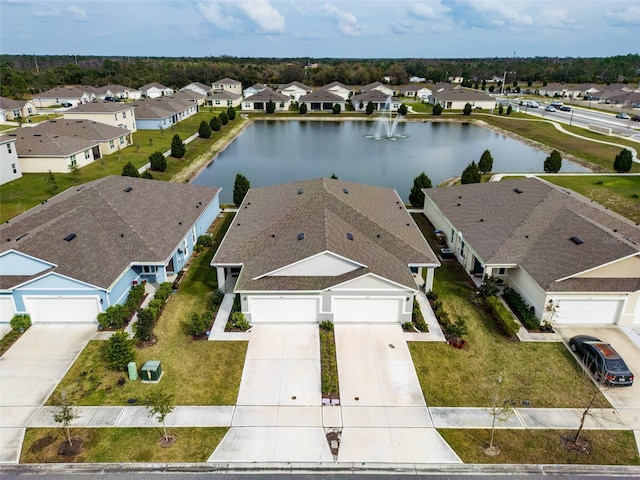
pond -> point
(273, 152)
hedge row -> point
(524, 312)
(147, 317)
(502, 316)
(117, 316)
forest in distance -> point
(25, 75)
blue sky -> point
(319, 28)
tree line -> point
(23, 75)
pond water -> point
(273, 152)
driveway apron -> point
(384, 414)
(278, 415)
(29, 372)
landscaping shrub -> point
(239, 321)
(204, 131)
(432, 296)
(326, 325)
(178, 148)
(231, 113)
(118, 350)
(237, 305)
(204, 241)
(136, 294)
(158, 161)
(417, 318)
(215, 300)
(224, 118)
(198, 325)
(489, 287)
(20, 322)
(408, 327)
(155, 306)
(144, 326)
(522, 310)
(458, 329)
(502, 316)
(114, 317)
(163, 291)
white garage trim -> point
(7, 308)
(583, 311)
(367, 309)
(283, 309)
(63, 309)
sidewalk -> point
(222, 317)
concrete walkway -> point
(220, 323)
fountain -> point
(387, 125)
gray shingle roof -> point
(100, 107)
(227, 81)
(533, 229)
(114, 228)
(266, 95)
(33, 144)
(75, 92)
(263, 236)
(11, 104)
(375, 96)
(85, 129)
(461, 94)
(161, 107)
(322, 96)
(152, 85)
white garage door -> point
(62, 309)
(283, 310)
(367, 310)
(6, 309)
(588, 311)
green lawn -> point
(26, 192)
(195, 372)
(592, 152)
(609, 447)
(544, 374)
(122, 445)
(619, 193)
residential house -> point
(69, 258)
(572, 260)
(322, 101)
(116, 114)
(381, 101)
(253, 89)
(381, 87)
(457, 98)
(15, 109)
(339, 89)
(416, 91)
(415, 79)
(161, 113)
(110, 139)
(198, 87)
(74, 95)
(42, 152)
(116, 91)
(155, 90)
(356, 265)
(629, 99)
(259, 101)
(294, 90)
(9, 164)
(223, 99)
(228, 85)
(190, 96)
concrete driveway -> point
(29, 372)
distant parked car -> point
(564, 108)
(635, 118)
(602, 360)
(66, 104)
(549, 108)
(624, 116)
(110, 99)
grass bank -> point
(195, 372)
(543, 374)
(133, 445)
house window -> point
(217, 102)
(73, 161)
(452, 235)
(121, 140)
(116, 117)
(149, 269)
(13, 167)
(247, 105)
(124, 115)
(29, 111)
(111, 144)
(9, 148)
(502, 271)
(87, 155)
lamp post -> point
(504, 79)
(571, 119)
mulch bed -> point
(70, 450)
(581, 447)
(147, 343)
(166, 442)
(333, 439)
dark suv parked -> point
(599, 357)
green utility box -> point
(133, 371)
(151, 371)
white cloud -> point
(214, 13)
(39, 13)
(264, 15)
(78, 12)
(630, 16)
(422, 11)
(347, 21)
(399, 28)
(234, 16)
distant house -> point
(415, 79)
(116, 114)
(9, 164)
(190, 96)
(116, 91)
(161, 113)
(41, 152)
(155, 90)
(198, 87)
(253, 89)
(416, 91)
(72, 257)
(381, 101)
(381, 87)
(222, 98)
(355, 265)
(322, 101)
(14, 109)
(228, 85)
(338, 89)
(294, 90)
(57, 96)
(573, 261)
(457, 98)
(259, 101)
